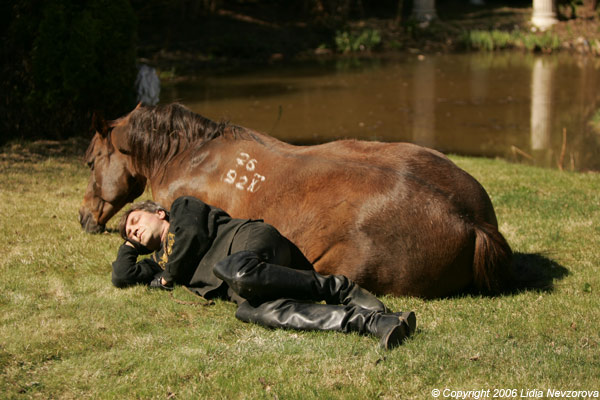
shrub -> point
(498, 40)
(64, 60)
(366, 40)
(480, 40)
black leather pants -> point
(258, 281)
(292, 314)
(282, 297)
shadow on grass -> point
(534, 271)
(530, 272)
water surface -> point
(522, 107)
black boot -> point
(256, 280)
(410, 318)
(290, 314)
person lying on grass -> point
(248, 262)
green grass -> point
(501, 40)
(348, 42)
(66, 333)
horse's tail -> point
(492, 259)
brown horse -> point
(395, 217)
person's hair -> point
(148, 206)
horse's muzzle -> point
(88, 224)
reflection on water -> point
(541, 105)
(509, 105)
(424, 99)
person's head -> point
(146, 223)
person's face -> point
(146, 228)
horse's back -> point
(410, 216)
(408, 167)
(395, 217)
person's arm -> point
(188, 239)
(183, 249)
(127, 271)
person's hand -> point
(160, 283)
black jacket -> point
(199, 236)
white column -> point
(541, 102)
(424, 10)
(544, 14)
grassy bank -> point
(66, 333)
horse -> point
(396, 218)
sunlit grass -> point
(499, 40)
(65, 332)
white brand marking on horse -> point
(257, 179)
(230, 178)
(242, 158)
(240, 180)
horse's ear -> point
(99, 124)
(120, 140)
(120, 137)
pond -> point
(527, 108)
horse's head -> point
(113, 180)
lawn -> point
(67, 333)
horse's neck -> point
(198, 170)
(271, 144)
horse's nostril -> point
(83, 218)
(88, 224)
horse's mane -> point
(158, 133)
